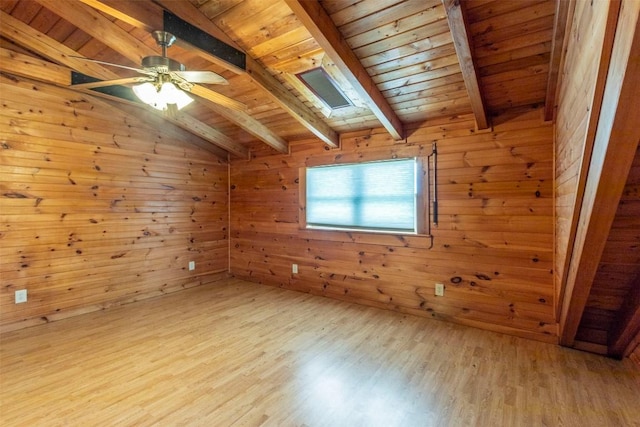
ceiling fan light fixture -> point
(172, 95)
(146, 92)
(159, 98)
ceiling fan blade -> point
(207, 77)
(218, 98)
(137, 70)
(102, 83)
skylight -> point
(319, 82)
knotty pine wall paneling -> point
(100, 208)
(493, 246)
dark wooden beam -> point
(557, 46)
(616, 142)
(463, 44)
(326, 34)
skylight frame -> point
(316, 91)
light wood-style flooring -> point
(242, 354)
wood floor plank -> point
(239, 353)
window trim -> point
(422, 214)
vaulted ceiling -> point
(398, 61)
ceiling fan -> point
(166, 81)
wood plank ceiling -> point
(394, 59)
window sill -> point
(385, 238)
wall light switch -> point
(21, 296)
(439, 290)
(294, 268)
(192, 265)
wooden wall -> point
(99, 207)
(493, 247)
(579, 100)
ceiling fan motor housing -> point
(161, 64)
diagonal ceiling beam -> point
(246, 122)
(324, 31)
(557, 46)
(47, 47)
(462, 42)
(276, 91)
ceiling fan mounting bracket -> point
(164, 38)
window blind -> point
(374, 195)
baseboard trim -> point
(128, 299)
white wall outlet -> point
(294, 268)
(21, 296)
(439, 290)
(192, 265)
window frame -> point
(422, 214)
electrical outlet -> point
(439, 290)
(294, 268)
(192, 265)
(21, 296)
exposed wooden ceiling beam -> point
(627, 326)
(557, 46)
(247, 123)
(319, 23)
(43, 45)
(258, 74)
(462, 42)
(209, 133)
(616, 142)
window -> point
(375, 196)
